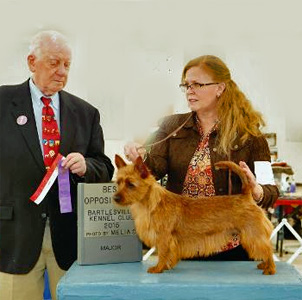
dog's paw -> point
(155, 269)
(261, 266)
(267, 268)
(269, 271)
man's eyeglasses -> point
(195, 86)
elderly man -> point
(38, 120)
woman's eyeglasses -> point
(195, 86)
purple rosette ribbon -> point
(64, 189)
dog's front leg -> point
(167, 255)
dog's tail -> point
(236, 169)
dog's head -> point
(133, 181)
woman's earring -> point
(218, 95)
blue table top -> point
(188, 280)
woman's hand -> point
(133, 150)
(257, 189)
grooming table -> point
(188, 280)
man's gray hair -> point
(43, 39)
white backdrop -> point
(128, 57)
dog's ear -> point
(141, 168)
(119, 162)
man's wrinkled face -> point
(50, 68)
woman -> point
(223, 125)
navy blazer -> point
(22, 222)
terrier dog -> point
(182, 227)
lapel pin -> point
(22, 120)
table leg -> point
(280, 236)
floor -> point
(290, 246)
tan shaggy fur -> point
(182, 227)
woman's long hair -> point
(237, 117)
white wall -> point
(128, 57)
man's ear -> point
(31, 62)
(119, 162)
(141, 168)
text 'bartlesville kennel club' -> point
(106, 232)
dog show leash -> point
(173, 133)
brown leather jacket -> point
(173, 156)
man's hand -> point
(76, 163)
